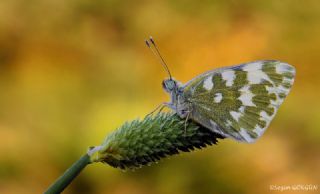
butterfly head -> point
(170, 85)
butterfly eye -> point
(164, 85)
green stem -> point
(64, 180)
(141, 142)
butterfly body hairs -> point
(238, 102)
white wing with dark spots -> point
(239, 101)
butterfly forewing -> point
(239, 101)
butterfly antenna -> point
(156, 52)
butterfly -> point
(237, 102)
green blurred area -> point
(73, 71)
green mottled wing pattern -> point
(239, 101)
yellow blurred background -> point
(72, 71)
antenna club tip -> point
(151, 39)
(147, 43)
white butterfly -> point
(238, 101)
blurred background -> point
(73, 71)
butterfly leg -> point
(160, 107)
(185, 122)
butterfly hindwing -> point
(239, 101)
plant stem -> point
(141, 142)
(71, 173)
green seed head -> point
(141, 142)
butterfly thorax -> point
(178, 101)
